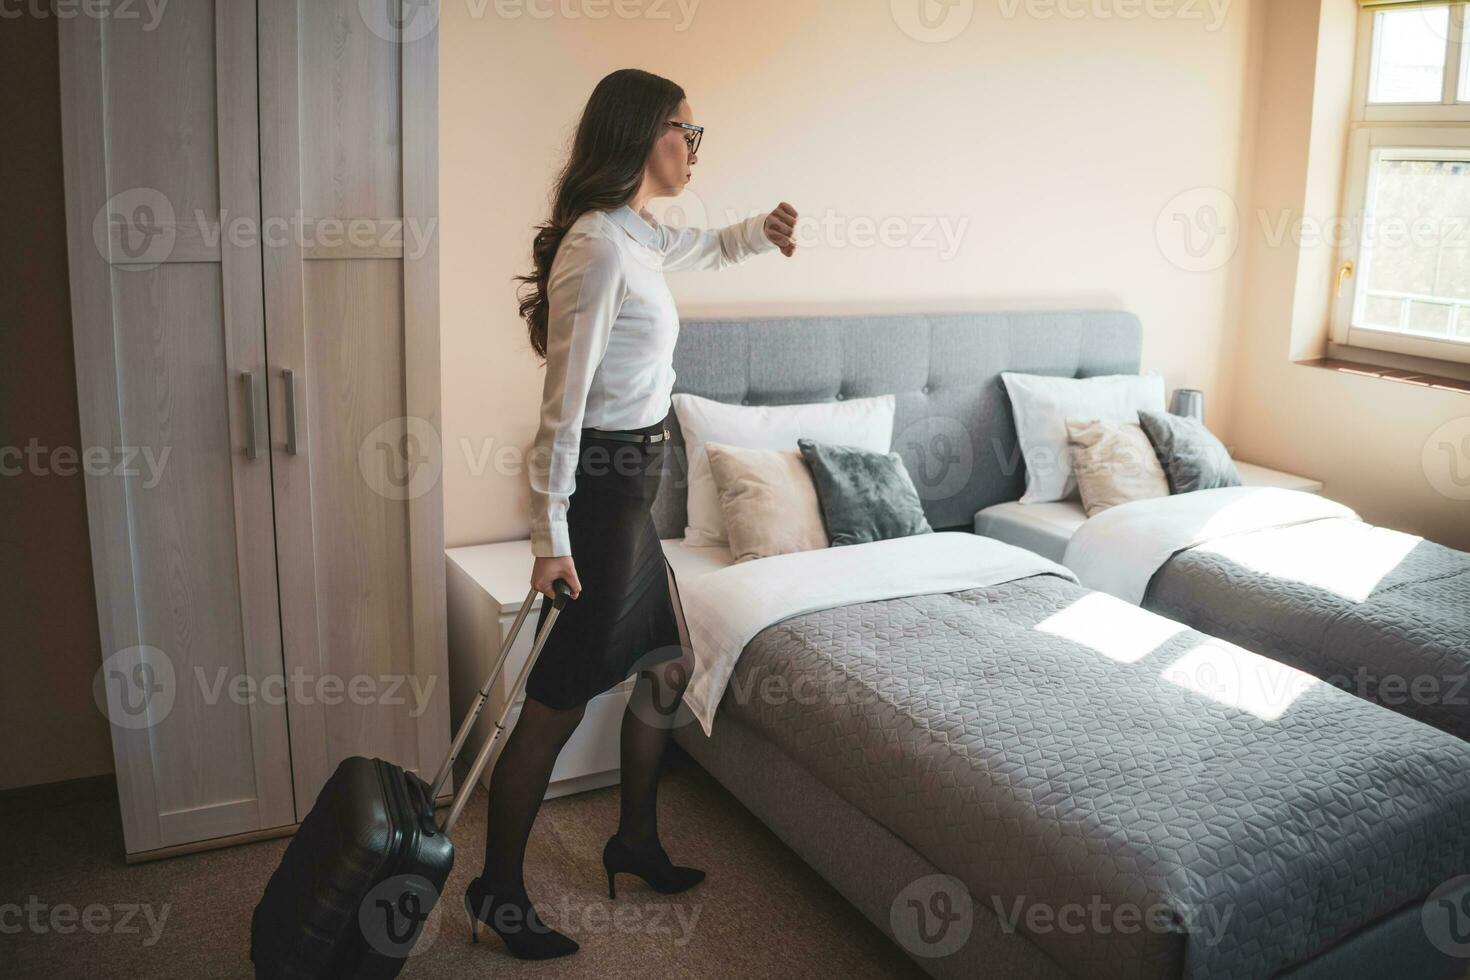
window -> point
(1403, 283)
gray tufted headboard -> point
(952, 424)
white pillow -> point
(1042, 405)
(865, 422)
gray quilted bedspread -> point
(1127, 825)
(1406, 645)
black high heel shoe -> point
(526, 936)
(650, 864)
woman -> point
(600, 313)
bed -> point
(1380, 613)
(1047, 528)
(976, 751)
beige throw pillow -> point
(768, 499)
(1114, 463)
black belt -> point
(643, 437)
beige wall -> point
(1366, 438)
(1053, 143)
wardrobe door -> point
(349, 141)
(160, 140)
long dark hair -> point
(623, 118)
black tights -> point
(523, 771)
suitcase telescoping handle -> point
(563, 593)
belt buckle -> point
(665, 436)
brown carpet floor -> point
(760, 913)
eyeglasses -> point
(693, 136)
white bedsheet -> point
(725, 608)
(690, 561)
(1119, 550)
(1042, 528)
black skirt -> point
(624, 619)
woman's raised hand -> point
(545, 571)
(781, 228)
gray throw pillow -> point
(1192, 458)
(865, 495)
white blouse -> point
(610, 340)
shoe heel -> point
(474, 922)
(612, 888)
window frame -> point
(1429, 126)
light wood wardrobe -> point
(252, 217)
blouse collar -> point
(642, 230)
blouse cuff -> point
(551, 540)
(755, 234)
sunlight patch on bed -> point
(1346, 558)
(1116, 629)
(1240, 679)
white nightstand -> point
(1259, 476)
(486, 585)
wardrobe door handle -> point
(252, 412)
(293, 445)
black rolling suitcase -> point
(368, 863)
